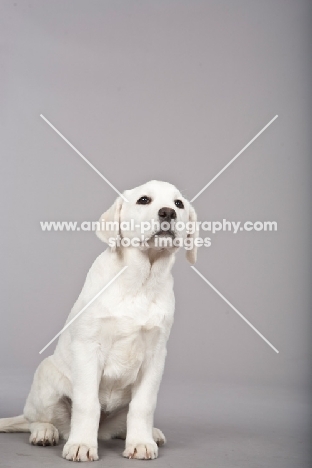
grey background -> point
(167, 90)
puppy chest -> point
(127, 353)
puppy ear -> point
(109, 222)
(191, 255)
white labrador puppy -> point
(103, 378)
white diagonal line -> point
(235, 157)
(235, 310)
(84, 308)
(83, 157)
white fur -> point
(103, 378)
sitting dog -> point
(103, 378)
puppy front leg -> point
(139, 441)
(86, 373)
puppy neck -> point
(153, 255)
(145, 259)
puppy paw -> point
(80, 452)
(141, 451)
(159, 437)
(43, 434)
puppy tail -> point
(16, 424)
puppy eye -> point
(178, 204)
(144, 201)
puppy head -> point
(150, 208)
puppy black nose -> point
(167, 213)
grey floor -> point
(207, 425)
